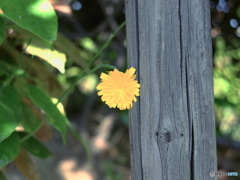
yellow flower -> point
(119, 89)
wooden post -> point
(172, 126)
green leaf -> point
(30, 121)
(2, 176)
(37, 16)
(55, 118)
(35, 147)
(2, 35)
(10, 111)
(6, 68)
(9, 149)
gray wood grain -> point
(172, 125)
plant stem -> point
(34, 131)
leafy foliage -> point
(32, 94)
(23, 106)
(226, 46)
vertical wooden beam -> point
(172, 126)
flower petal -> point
(119, 89)
(104, 76)
(131, 71)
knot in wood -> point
(168, 136)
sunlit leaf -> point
(221, 86)
(53, 57)
(9, 149)
(36, 16)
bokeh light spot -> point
(76, 5)
(234, 23)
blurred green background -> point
(84, 26)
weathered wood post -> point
(172, 127)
